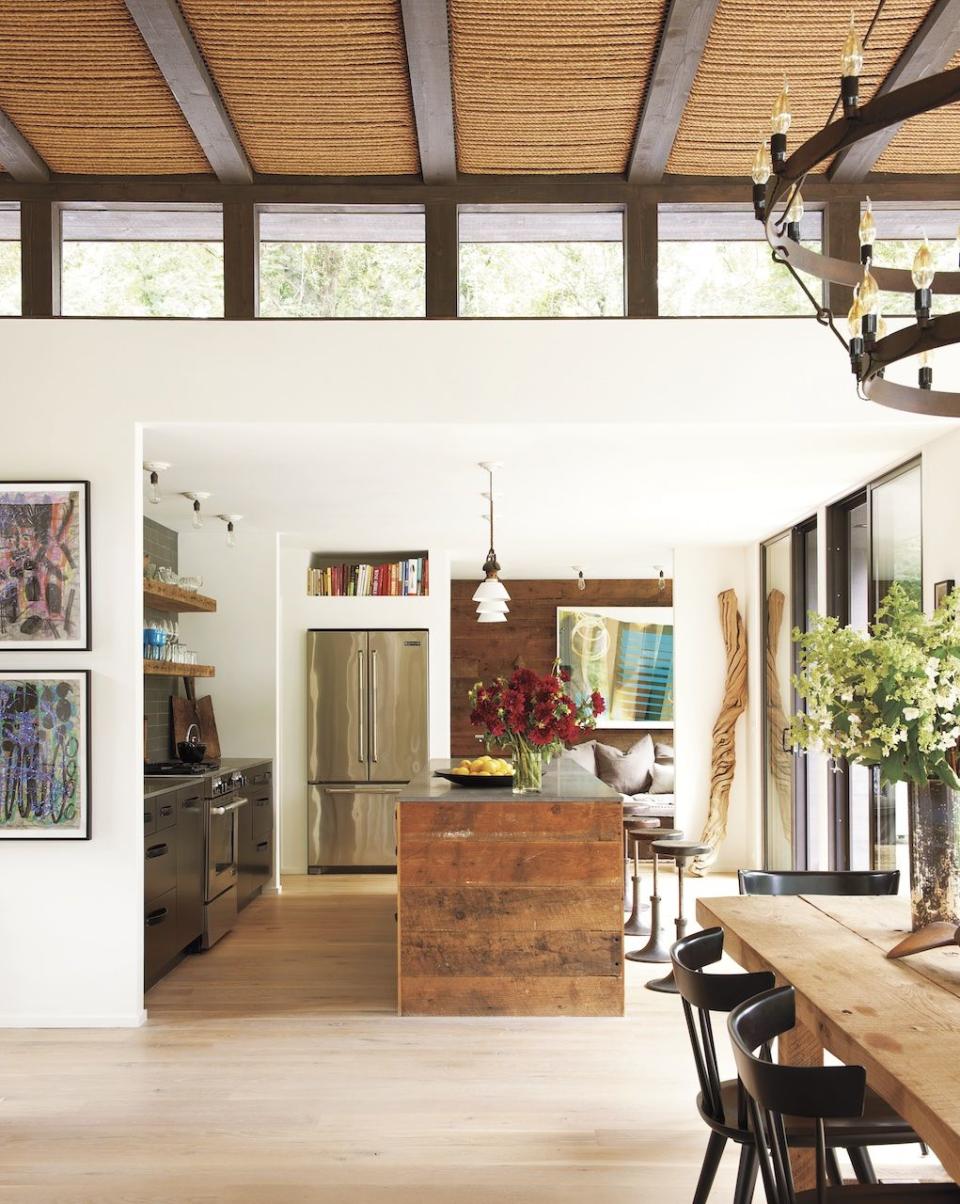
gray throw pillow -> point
(629, 772)
(664, 752)
(663, 778)
(583, 755)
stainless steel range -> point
(223, 799)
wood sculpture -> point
(724, 759)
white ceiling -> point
(614, 498)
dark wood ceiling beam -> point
(426, 33)
(582, 190)
(927, 53)
(165, 31)
(18, 156)
(686, 28)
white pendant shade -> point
(492, 617)
(492, 607)
(491, 590)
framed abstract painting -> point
(625, 652)
(45, 766)
(44, 566)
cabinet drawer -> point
(160, 943)
(166, 811)
(149, 816)
(260, 775)
(160, 863)
(262, 816)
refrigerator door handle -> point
(374, 733)
(361, 707)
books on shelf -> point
(396, 579)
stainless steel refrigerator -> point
(367, 704)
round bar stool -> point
(681, 851)
(638, 828)
(654, 950)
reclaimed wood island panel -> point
(510, 905)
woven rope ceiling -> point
(79, 83)
(550, 85)
(750, 46)
(318, 87)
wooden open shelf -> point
(172, 669)
(160, 596)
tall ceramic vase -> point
(934, 855)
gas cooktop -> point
(176, 769)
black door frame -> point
(838, 604)
(797, 618)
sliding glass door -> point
(875, 538)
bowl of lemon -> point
(480, 772)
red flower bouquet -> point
(535, 714)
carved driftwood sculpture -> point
(780, 758)
(723, 762)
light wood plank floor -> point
(274, 1069)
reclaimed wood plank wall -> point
(479, 651)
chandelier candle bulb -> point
(761, 172)
(794, 216)
(926, 370)
(780, 120)
(867, 233)
(922, 274)
(851, 64)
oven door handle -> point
(234, 806)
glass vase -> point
(527, 767)
(934, 854)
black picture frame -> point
(85, 747)
(941, 589)
(84, 642)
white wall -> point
(240, 639)
(71, 912)
(74, 392)
(700, 574)
(941, 513)
(298, 613)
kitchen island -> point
(510, 905)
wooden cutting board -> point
(208, 728)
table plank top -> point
(899, 1020)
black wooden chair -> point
(819, 882)
(827, 1096)
(723, 1105)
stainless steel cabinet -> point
(190, 865)
(256, 834)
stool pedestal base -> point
(634, 925)
(654, 950)
(668, 984)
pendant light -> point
(197, 498)
(491, 595)
(155, 468)
(230, 520)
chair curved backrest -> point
(818, 1092)
(705, 993)
(819, 882)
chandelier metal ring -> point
(941, 330)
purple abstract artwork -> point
(43, 763)
(43, 566)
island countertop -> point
(563, 782)
(510, 905)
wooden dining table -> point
(898, 1019)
